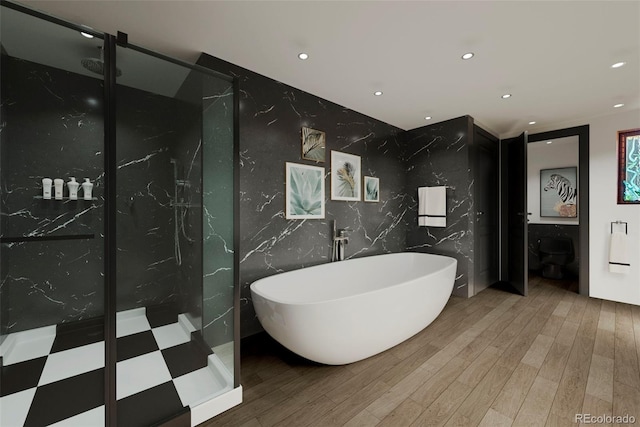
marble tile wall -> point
(151, 131)
(218, 285)
(53, 127)
(271, 117)
(437, 155)
(49, 129)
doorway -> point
(552, 209)
(515, 235)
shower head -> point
(96, 65)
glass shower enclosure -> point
(118, 274)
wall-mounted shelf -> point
(65, 198)
(20, 239)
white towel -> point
(618, 253)
(432, 206)
(423, 195)
(430, 221)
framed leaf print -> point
(304, 192)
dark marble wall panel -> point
(209, 169)
(218, 186)
(188, 214)
(536, 231)
(186, 193)
(438, 155)
(51, 127)
(146, 265)
(271, 117)
(151, 131)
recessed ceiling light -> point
(87, 35)
(303, 56)
(618, 64)
(377, 93)
(428, 118)
(532, 123)
(506, 95)
(467, 55)
(618, 105)
(549, 142)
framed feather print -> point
(345, 176)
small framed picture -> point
(313, 144)
(304, 197)
(371, 189)
(345, 176)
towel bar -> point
(619, 222)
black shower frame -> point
(110, 169)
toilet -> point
(554, 254)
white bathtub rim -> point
(453, 264)
(354, 296)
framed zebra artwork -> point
(629, 167)
(559, 192)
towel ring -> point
(620, 222)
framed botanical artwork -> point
(371, 189)
(313, 144)
(345, 176)
(629, 167)
(304, 196)
(559, 192)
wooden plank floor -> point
(497, 359)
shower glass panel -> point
(117, 208)
(52, 347)
(174, 237)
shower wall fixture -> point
(122, 295)
(96, 65)
(181, 202)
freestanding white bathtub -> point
(346, 311)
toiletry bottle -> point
(73, 188)
(46, 188)
(58, 185)
(87, 186)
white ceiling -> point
(554, 57)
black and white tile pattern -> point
(56, 377)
